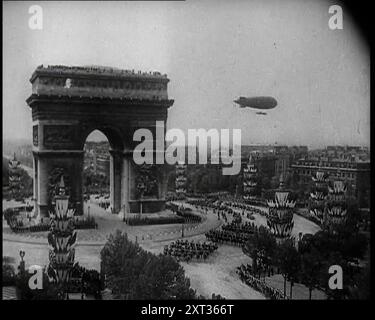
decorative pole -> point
(336, 207)
(250, 176)
(181, 180)
(14, 175)
(22, 263)
(142, 191)
(318, 196)
(62, 240)
(280, 213)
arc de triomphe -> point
(68, 103)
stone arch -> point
(63, 117)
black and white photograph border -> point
(186, 151)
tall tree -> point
(133, 273)
(288, 261)
(261, 248)
(311, 265)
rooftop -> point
(95, 70)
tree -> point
(306, 243)
(343, 247)
(120, 263)
(133, 273)
(361, 284)
(311, 265)
(261, 248)
(288, 260)
(163, 278)
(350, 245)
(204, 185)
(265, 182)
(8, 271)
(20, 190)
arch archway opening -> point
(99, 134)
(102, 171)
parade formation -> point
(185, 250)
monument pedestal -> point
(148, 205)
(52, 164)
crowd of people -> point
(19, 227)
(175, 196)
(85, 281)
(244, 227)
(104, 204)
(185, 250)
(244, 206)
(184, 212)
(141, 221)
(227, 207)
(215, 205)
(246, 276)
(230, 237)
(235, 233)
(24, 225)
(86, 223)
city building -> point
(273, 161)
(265, 162)
(356, 174)
(282, 164)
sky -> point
(212, 52)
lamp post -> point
(141, 187)
(22, 262)
(318, 196)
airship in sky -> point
(262, 103)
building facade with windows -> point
(355, 174)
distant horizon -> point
(212, 52)
(29, 142)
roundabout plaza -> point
(216, 274)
